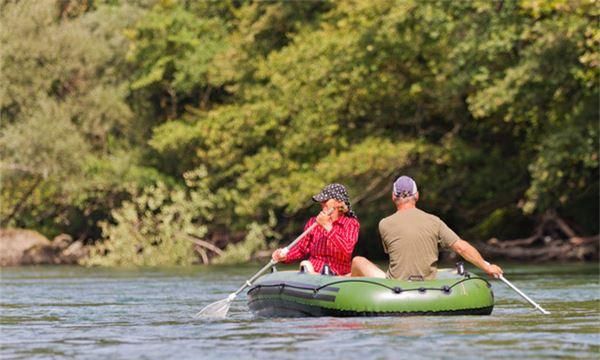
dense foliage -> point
(139, 124)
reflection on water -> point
(67, 312)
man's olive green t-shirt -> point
(411, 238)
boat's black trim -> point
(286, 290)
(289, 291)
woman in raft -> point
(332, 242)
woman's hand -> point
(279, 255)
(324, 219)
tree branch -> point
(204, 244)
(202, 253)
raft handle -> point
(460, 268)
(326, 270)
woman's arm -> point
(301, 249)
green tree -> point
(65, 115)
(491, 106)
(431, 88)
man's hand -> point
(279, 255)
(493, 270)
(324, 220)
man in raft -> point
(411, 237)
(332, 242)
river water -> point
(73, 312)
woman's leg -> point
(308, 266)
(363, 267)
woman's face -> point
(331, 204)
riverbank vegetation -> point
(172, 132)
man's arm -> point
(469, 253)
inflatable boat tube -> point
(297, 294)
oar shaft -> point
(310, 228)
(523, 295)
(255, 276)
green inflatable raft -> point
(297, 294)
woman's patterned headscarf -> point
(338, 192)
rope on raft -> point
(396, 289)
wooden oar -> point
(220, 308)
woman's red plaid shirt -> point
(328, 247)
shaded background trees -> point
(246, 109)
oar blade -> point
(218, 309)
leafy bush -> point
(156, 227)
